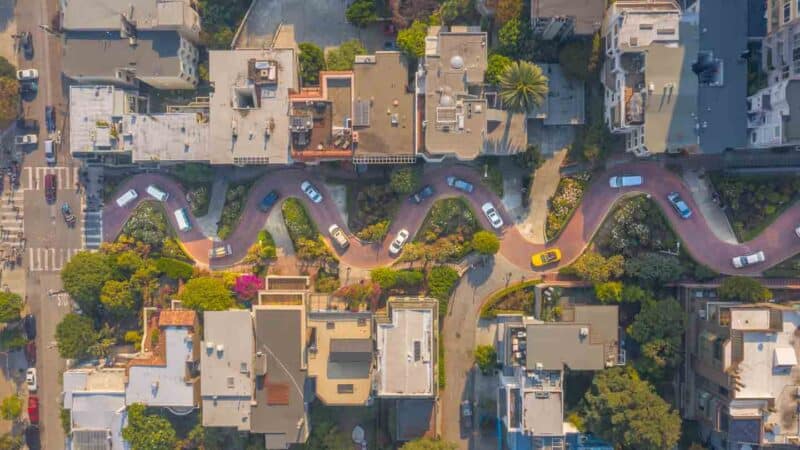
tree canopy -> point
(10, 306)
(428, 444)
(574, 58)
(83, 278)
(11, 407)
(659, 328)
(654, 269)
(343, 57)
(147, 431)
(592, 266)
(10, 442)
(505, 10)
(404, 180)
(743, 289)
(523, 86)
(485, 242)
(9, 99)
(75, 335)
(412, 39)
(609, 292)
(118, 298)
(206, 294)
(312, 61)
(624, 410)
(361, 13)
(485, 357)
(496, 65)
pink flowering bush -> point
(247, 286)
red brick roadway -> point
(778, 241)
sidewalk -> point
(545, 182)
(208, 223)
(715, 217)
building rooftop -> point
(146, 14)
(340, 356)
(406, 349)
(168, 137)
(588, 14)
(585, 339)
(96, 401)
(565, 103)
(319, 121)
(249, 106)
(226, 368)
(101, 54)
(383, 109)
(279, 411)
(456, 118)
(543, 413)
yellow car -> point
(546, 257)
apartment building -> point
(557, 19)
(742, 374)
(94, 399)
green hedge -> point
(175, 269)
(486, 309)
(441, 281)
(298, 222)
(442, 376)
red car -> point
(33, 409)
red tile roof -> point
(177, 318)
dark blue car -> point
(50, 119)
(268, 201)
(423, 193)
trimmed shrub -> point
(177, 270)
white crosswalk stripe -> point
(11, 216)
(32, 178)
(92, 229)
(49, 259)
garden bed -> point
(370, 209)
(564, 202)
(516, 299)
(445, 233)
(304, 235)
(196, 179)
(787, 269)
(235, 199)
(753, 202)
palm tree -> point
(523, 86)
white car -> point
(492, 214)
(26, 139)
(27, 75)
(310, 191)
(398, 242)
(746, 260)
(31, 379)
(338, 236)
(625, 181)
(797, 231)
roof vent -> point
(220, 348)
(209, 346)
(457, 62)
(584, 332)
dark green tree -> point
(593, 267)
(659, 328)
(412, 39)
(574, 58)
(428, 444)
(148, 431)
(206, 294)
(10, 306)
(743, 289)
(7, 70)
(404, 180)
(485, 242)
(118, 298)
(75, 335)
(312, 61)
(361, 13)
(609, 292)
(654, 269)
(485, 357)
(83, 278)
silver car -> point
(398, 242)
(491, 213)
(311, 192)
(746, 260)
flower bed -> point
(516, 299)
(564, 202)
(446, 233)
(235, 199)
(304, 235)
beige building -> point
(559, 19)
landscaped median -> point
(564, 202)
(303, 232)
(235, 199)
(446, 234)
(516, 299)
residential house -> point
(406, 346)
(535, 355)
(94, 399)
(557, 19)
(226, 368)
(124, 43)
(742, 374)
(165, 375)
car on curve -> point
(546, 257)
(747, 260)
(311, 192)
(422, 194)
(625, 181)
(398, 242)
(680, 206)
(460, 184)
(491, 213)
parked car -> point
(466, 414)
(219, 251)
(268, 201)
(311, 192)
(422, 194)
(625, 181)
(27, 75)
(546, 257)
(32, 438)
(33, 409)
(338, 236)
(797, 231)
(50, 151)
(26, 43)
(157, 193)
(30, 353)
(27, 125)
(460, 184)
(746, 260)
(50, 118)
(26, 139)
(31, 380)
(491, 213)
(50, 187)
(29, 325)
(398, 242)
(680, 206)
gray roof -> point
(588, 14)
(412, 418)
(351, 350)
(147, 14)
(543, 413)
(405, 352)
(226, 382)
(164, 384)
(98, 54)
(280, 411)
(558, 344)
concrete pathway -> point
(208, 223)
(277, 228)
(701, 193)
(338, 193)
(545, 182)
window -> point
(344, 388)
(330, 325)
(645, 26)
(787, 10)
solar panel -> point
(362, 113)
(417, 350)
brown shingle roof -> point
(177, 318)
(277, 393)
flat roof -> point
(99, 54)
(405, 352)
(147, 14)
(226, 368)
(279, 409)
(250, 121)
(169, 137)
(96, 400)
(90, 106)
(164, 384)
(383, 105)
(543, 413)
(456, 120)
(588, 14)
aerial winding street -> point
(778, 241)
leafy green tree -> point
(404, 180)
(485, 242)
(175, 269)
(206, 294)
(509, 36)
(624, 410)
(654, 269)
(312, 61)
(497, 64)
(530, 159)
(453, 11)
(10, 306)
(385, 277)
(485, 357)
(743, 289)
(83, 278)
(361, 294)
(609, 292)
(9, 99)
(361, 13)
(634, 294)
(75, 334)
(125, 264)
(592, 266)
(659, 328)
(11, 407)
(441, 281)
(7, 70)
(118, 298)
(523, 86)
(374, 232)
(428, 444)
(574, 58)
(147, 431)
(343, 57)
(412, 39)
(10, 442)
